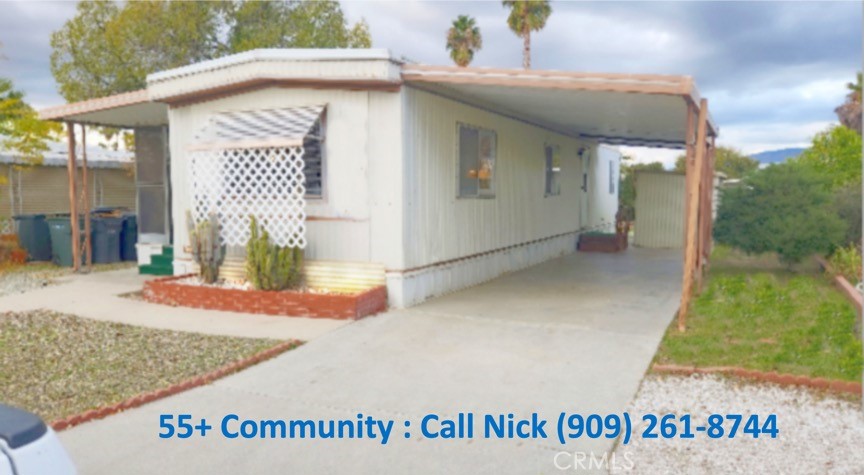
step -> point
(162, 260)
(150, 269)
(168, 251)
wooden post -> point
(689, 150)
(704, 219)
(71, 166)
(690, 244)
(85, 200)
(709, 205)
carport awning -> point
(285, 127)
(618, 109)
(127, 110)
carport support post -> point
(85, 200)
(71, 165)
(689, 144)
(691, 242)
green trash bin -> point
(105, 238)
(33, 235)
(61, 240)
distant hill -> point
(776, 156)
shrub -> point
(847, 202)
(11, 254)
(268, 266)
(206, 250)
(787, 209)
(846, 261)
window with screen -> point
(477, 151)
(553, 170)
(611, 177)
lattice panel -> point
(267, 183)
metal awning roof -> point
(618, 109)
(285, 127)
(126, 110)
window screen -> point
(611, 177)
(477, 152)
(313, 159)
(553, 170)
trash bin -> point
(129, 237)
(33, 235)
(105, 238)
(61, 240)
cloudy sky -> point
(772, 71)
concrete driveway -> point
(575, 334)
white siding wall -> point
(362, 171)
(439, 227)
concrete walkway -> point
(98, 296)
(575, 334)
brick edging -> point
(782, 379)
(193, 382)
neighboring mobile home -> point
(28, 188)
(427, 178)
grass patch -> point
(761, 317)
(58, 365)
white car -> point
(29, 447)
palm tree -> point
(849, 112)
(463, 39)
(527, 16)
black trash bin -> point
(129, 237)
(105, 238)
(34, 236)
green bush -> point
(787, 209)
(268, 266)
(846, 261)
(847, 202)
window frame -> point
(549, 170)
(481, 193)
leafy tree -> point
(835, 152)
(627, 186)
(727, 160)
(21, 131)
(108, 48)
(849, 113)
(527, 16)
(463, 40)
(322, 24)
(785, 208)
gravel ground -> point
(37, 275)
(818, 433)
(58, 365)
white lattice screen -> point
(267, 183)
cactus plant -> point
(206, 250)
(268, 266)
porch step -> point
(168, 251)
(162, 260)
(151, 269)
